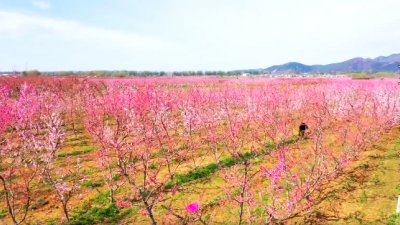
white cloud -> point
(41, 4)
(14, 24)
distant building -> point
(245, 74)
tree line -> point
(125, 73)
(133, 73)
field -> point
(198, 151)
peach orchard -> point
(145, 132)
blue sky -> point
(192, 34)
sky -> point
(54, 35)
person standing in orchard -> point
(302, 129)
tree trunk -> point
(64, 205)
(246, 164)
(153, 221)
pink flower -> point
(279, 191)
(144, 212)
(62, 187)
(192, 208)
(123, 204)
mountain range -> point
(382, 63)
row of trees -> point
(125, 73)
(137, 73)
(159, 73)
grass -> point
(101, 198)
(90, 184)
(394, 219)
(215, 201)
(78, 138)
(96, 215)
(3, 212)
(363, 197)
(204, 171)
(82, 143)
(70, 177)
(77, 152)
(90, 171)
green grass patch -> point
(101, 198)
(90, 184)
(79, 138)
(70, 176)
(96, 215)
(394, 219)
(196, 174)
(90, 171)
(74, 153)
(363, 197)
(205, 171)
(116, 177)
(215, 201)
(82, 143)
(3, 212)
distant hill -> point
(388, 59)
(291, 66)
(382, 63)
